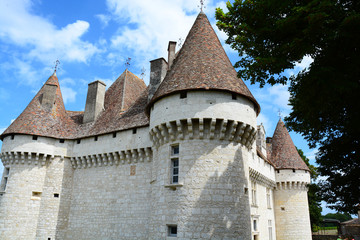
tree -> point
(313, 193)
(271, 36)
(342, 217)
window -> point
(172, 230)
(270, 230)
(56, 195)
(268, 197)
(12, 137)
(62, 140)
(253, 194)
(183, 94)
(5, 179)
(78, 141)
(34, 137)
(175, 164)
(255, 226)
(233, 96)
(134, 130)
(114, 135)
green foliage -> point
(342, 217)
(313, 194)
(272, 36)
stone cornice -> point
(292, 185)
(261, 179)
(36, 158)
(112, 158)
(207, 128)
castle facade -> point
(182, 158)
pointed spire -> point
(202, 64)
(284, 154)
(45, 115)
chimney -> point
(171, 53)
(48, 97)
(158, 69)
(94, 101)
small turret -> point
(292, 177)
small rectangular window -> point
(175, 150)
(270, 230)
(56, 195)
(268, 197)
(62, 140)
(134, 130)
(12, 137)
(172, 230)
(253, 194)
(114, 135)
(95, 138)
(78, 141)
(255, 227)
(34, 137)
(175, 170)
(233, 96)
(183, 94)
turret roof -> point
(39, 120)
(284, 154)
(202, 64)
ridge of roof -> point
(38, 120)
(202, 63)
(284, 154)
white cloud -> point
(68, 94)
(20, 27)
(150, 31)
(311, 155)
(104, 19)
(266, 122)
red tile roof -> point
(39, 120)
(125, 103)
(202, 64)
(283, 151)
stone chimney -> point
(158, 69)
(49, 95)
(94, 101)
(171, 53)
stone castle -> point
(182, 158)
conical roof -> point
(202, 64)
(283, 153)
(44, 119)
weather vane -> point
(143, 73)
(279, 112)
(202, 5)
(127, 63)
(56, 67)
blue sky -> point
(92, 39)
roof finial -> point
(127, 63)
(143, 70)
(202, 5)
(279, 113)
(56, 67)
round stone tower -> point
(202, 125)
(290, 196)
(33, 183)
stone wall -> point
(210, 199)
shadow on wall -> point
(222, 209)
